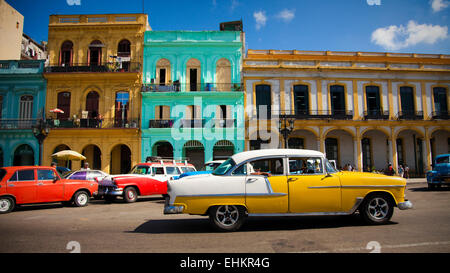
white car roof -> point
(240, 157)
(215, 161)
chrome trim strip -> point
(236, 194)
(324, 187)
(373, 186)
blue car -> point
(440, 175)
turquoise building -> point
(192, 95)
(22, 100)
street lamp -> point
(286, 126)
(40, 132)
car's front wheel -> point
(227, 217)
(377, 209)
(6, 204)
(130, 195)
(81, 199)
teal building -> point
(22, 101)
(192, 95)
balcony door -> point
(63, 104)
(407, 101)
(263, 101)
(373, 100)
(121, 108)
(440, 100)
(337, 95)
(25, 111)
(95, 53)
(92, 102)
(301, 100)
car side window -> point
(158, 170)
(46, 175)
(172, 170)
(305, 165)
(269, 166)
(24, 175)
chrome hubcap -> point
(131, 194)
(82, 199)
(227, 215)
(378, 208)
(4, 205)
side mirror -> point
(55, 179)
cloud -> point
(260, 18)
(438, 5)
(286, 15)
(73, 2)
(398, 37)
(374, 2)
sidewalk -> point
(416, 180)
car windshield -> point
(224, 167)
(444, 159)
(140, 170)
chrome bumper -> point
(405, 205)
(168, 209)
(109, 191)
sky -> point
(408, 26)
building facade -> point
(192, 97)
(363, 109)
(22, 102)
(94, 77)
(11, 30)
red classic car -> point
(144, 179)
(34, 184)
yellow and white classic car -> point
(284, 182)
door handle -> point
(40, 184)
(251, 180)
(10, 185)
(292, 179)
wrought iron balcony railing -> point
(93, 123)
(84, 67)
(376, 114)
(161, 123)
(317, 114)
(410, 115)
(440, 115)
(178, 87)
(14, 124)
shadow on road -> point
(425, 189)
(201, 225)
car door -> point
(50, 188)
(23, 186)
(311, 189)
(266, 189)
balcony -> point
(317, 114)
(201, 87)
(376, 114)
(410, 115)
(17, 124)
(440, 115)
(192, 123)
(84, 67)
(161, 123)
(92, 123)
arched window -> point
(121, 108)
(66, 54)
(95, 53)
(163, 72)
(223, 75)
(193, 75)
(124, 54)
(92, 103)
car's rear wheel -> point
(6, 204)
(81, 199)
(377, 209)
(130, 195)
(227, 217)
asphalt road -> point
(141, 227)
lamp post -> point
(40, 132)
(286, 126)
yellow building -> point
(94, 77)
(363, 109)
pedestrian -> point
(406, 171)
(400, 170)
(85, 167)
(54, 164)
